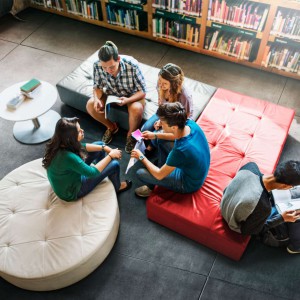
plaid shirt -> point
(128, 81)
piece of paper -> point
(140, 146)
(287, 199)
(111, 99)
(137, 135)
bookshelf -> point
(263, 34)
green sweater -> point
(64, 174)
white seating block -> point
(47, 243)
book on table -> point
(30, 86)
(287, 199)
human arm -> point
(98, 102)
(95, 147)
(98, 87)
(186, 99)
(249, 227)
(113, 154)
(78, 165)
(135, 97)
(149, 135)
(291, 216)
(158, 173)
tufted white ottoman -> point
(47, 243)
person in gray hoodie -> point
(247, 204)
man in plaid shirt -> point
(119, 76)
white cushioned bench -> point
(47, 243)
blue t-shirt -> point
(191, 157)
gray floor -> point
(148, 261)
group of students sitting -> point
(183, 156)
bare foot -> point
(123, 185)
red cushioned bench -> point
(239, 129)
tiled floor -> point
(148, 261)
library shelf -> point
(266, 11)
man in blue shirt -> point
(182, 169)
(119, 76)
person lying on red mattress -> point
(248, 207)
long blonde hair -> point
(175, 76)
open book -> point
(110, 99)
(287, 199)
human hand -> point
(148, 135)
(291, 215)
(136, 153)
(124, 101)
(157, 125)
(115, 153)
(98, 105)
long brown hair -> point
(175, 76)
(65, 138)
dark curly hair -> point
(173, 114)
(288, 172)
(175, 76)
(65, 138)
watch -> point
(141, 157)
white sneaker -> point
(143, 191)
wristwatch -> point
(141, 157)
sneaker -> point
(143, 191)
(130, 143)
(108, 134)
(290, 249)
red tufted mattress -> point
(239, 129)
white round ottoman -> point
(47, 243)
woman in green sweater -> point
(67, 162)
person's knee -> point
(114, 164)
(142, 173)
(136, 109)
(90, 106)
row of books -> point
(234, 45)
(140, 2)
(55, 4)
(187, 7)
(177, 31)
(287, 24)
(74, 6)
(240, 13)
(282, 58)
(128, 18)
(92, 10)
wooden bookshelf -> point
(282, 58)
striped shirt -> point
(129, 80)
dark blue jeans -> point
(112, 171)
(294, 234)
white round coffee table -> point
(35, 122)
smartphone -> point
(15, 102)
